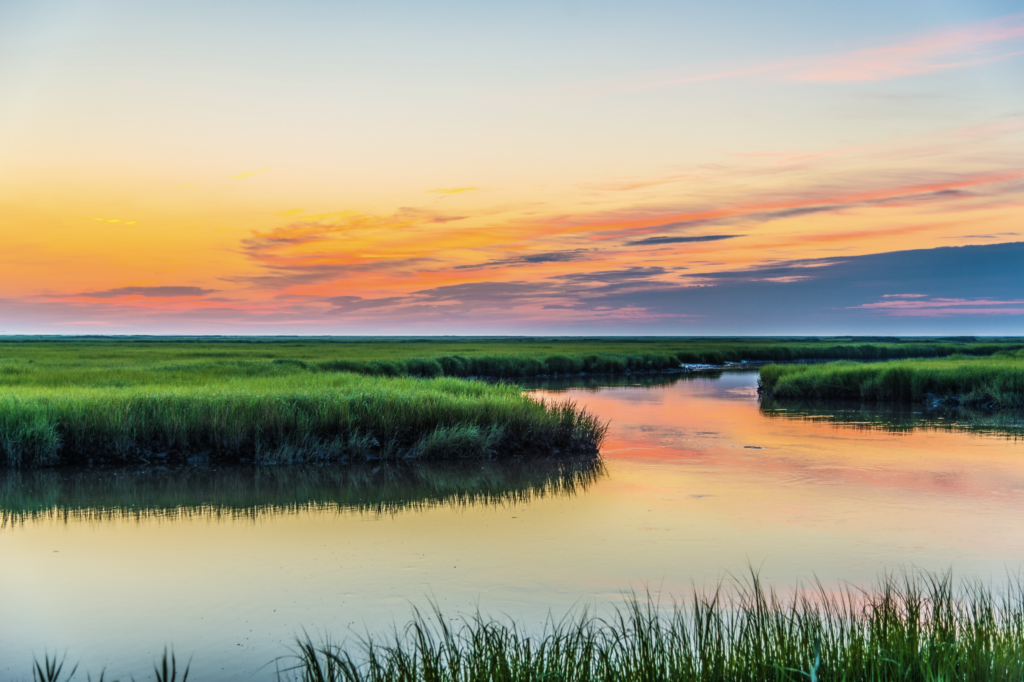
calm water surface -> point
(698, 481)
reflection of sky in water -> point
(687, 497)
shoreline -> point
(991, 383)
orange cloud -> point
(453, 190)
(251, 173)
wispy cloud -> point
(650, 241)
(994, 235)
(978, 285)
(961, 46)
(920, 306)
(111, 220)
(334, 246)
(250, 173)
(529, 259)
(810, 202)
(148, 292)
(381, 254)
(350, 304)
(968, 45)
(630, 275)
(452, 190)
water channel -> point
(698, 481)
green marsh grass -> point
(119, 362)
(919, 628)
(53, 670)
(290, 418)
(285, 400)
(992, 382)
(909, 627)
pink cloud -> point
(967, 45)
(942, 307)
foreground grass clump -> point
(993, 382)
(913, 629)
(287, 418)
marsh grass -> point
(910, 628)
(995, 382)
(318, 417)
(289, 400)
(123, 362)
(256, 492)
(53, 670)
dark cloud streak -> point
(652, 241)
(529, 259)
(149, 292)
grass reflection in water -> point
(252, 491)
(896, 417)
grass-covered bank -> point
(118, 361)
(287, 418)
(246, 491)
(281, 400)
(907, 629)
(995, 382)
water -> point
(698, 482)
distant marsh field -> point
(139, 399)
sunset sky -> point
(511, 168)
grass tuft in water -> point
(167, 669)
(52, 670)
(917, 628)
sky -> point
(385, 167)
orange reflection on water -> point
(903, 497)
